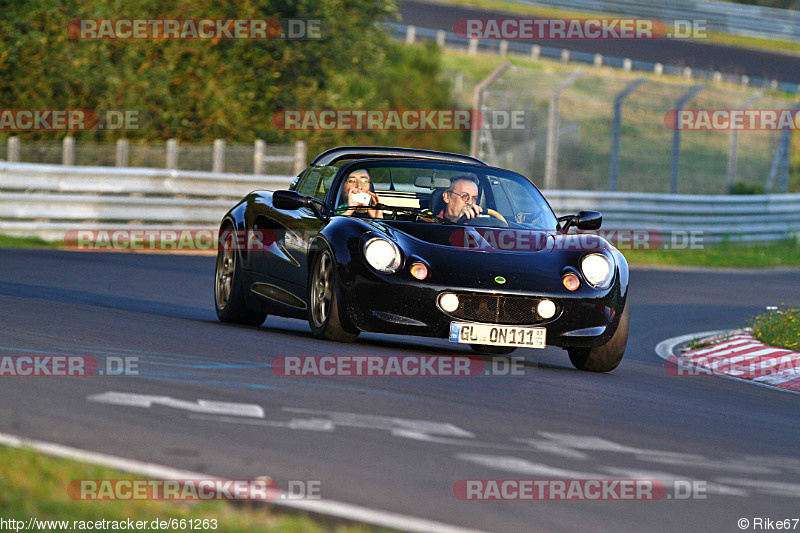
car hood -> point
(477, 257)
(489, 239)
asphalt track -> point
(356, 436)
(696, 53)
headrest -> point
(437, 201)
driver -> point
(355, 186)
(461, 198)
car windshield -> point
(436, 192)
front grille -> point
(497, 309)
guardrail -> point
(47, 201)
(761, 217)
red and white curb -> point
(733, 354)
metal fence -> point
(411, 34)
(588, 129)
(592, 131)
(722, 17)
(219, 156)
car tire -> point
(492, 350)
(607, 357)
(228, 290)
(324, 314)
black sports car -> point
(427, 243)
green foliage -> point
(199, 90)
(7, 241)
(778, 327)
(740, 187)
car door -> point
(288, 233)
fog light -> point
(571, 282)
(419, 271)
(448, 302)
(546, 309)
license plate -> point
(493, 335)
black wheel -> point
(607, 357)
(228, 290)
(324, 315)
(492, 350)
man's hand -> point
(471, 211)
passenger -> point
(355, 186)
(461, 199)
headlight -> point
(598, 270)
(382, 255)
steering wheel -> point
(480, 219)
(495, 214)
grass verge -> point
(778, 327)
(725, 255)
(7, 241)
(34, 485)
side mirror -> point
(289, 200)
(588, 220)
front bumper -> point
(400, 304)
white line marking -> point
(775, 488)
(201, 406)
(665, 349)
(325, 507)
(397, 426)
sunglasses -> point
(357, 180)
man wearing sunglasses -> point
(355, 192)
(461, 199)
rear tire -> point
(492, 350)
(607, 357)
(324, 315)
(228, 290)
